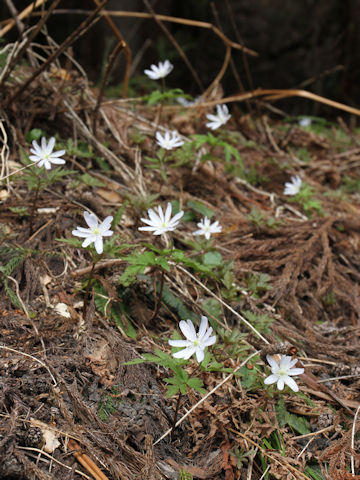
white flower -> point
(195, 342)
(160, 71)
(293, 187)
(220, 118)
(160, 223)
(206, 228)
(44, 155)
(169, 141)
(95, 232)
(282, 372)
(305, 122)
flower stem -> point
(34, 207)
(159, 297)
(87, 291)
(175, 415)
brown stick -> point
(15, 15)
(176, 45)
(126, 49)
(31, 36)
(168, 18)
(98, 266)
(278, 94)
(82, 28)
(27, 11)
(110, 64)
(86, 461)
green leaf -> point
(136, 361)
(299, 424)
(116, 313)
(176, 304)
(171, 390)
(21, 211)
(212, 307)
(118, 215)
(196, 384)
(199, 207)
(35, 134)
(74, 242)
(212, 259)
(90, 181)
(249, 378)
(314, 472)
(163, 263)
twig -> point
(98, 266)
(86, 461)
(126, 49)
(87, 291)
(5, 152)
(207, 395)
(16, 171)
(26, 311)
(313, 434)
(33, 358)
(34, 206)
(353, 442)
(221, 73)
(53, 459)
(21, 15)
(109, 67)
(176, 44)
(159, 297)
(175, 415)
(168, 18)
(15, 15)
(269, 454)
(82, 28)
(240, 317)
(27, 42)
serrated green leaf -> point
(171, 390)
(136, 361)
(195, 383)
(212, 307)
(87, 179)
(74, 242)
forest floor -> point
(281, 278)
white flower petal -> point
(168, 212)
(186, 353)
(209, 341)
(270, 379)
(180, 343)
(78, 233)
(91, 220)
(203, 326)
(290, 382)
(99, 245)
(105, 224)
(188, 329)
(272, 362)
(296, 371)
(87, 242)
(280, 383)
(50, 146)
(199, 354)
(56, 161)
